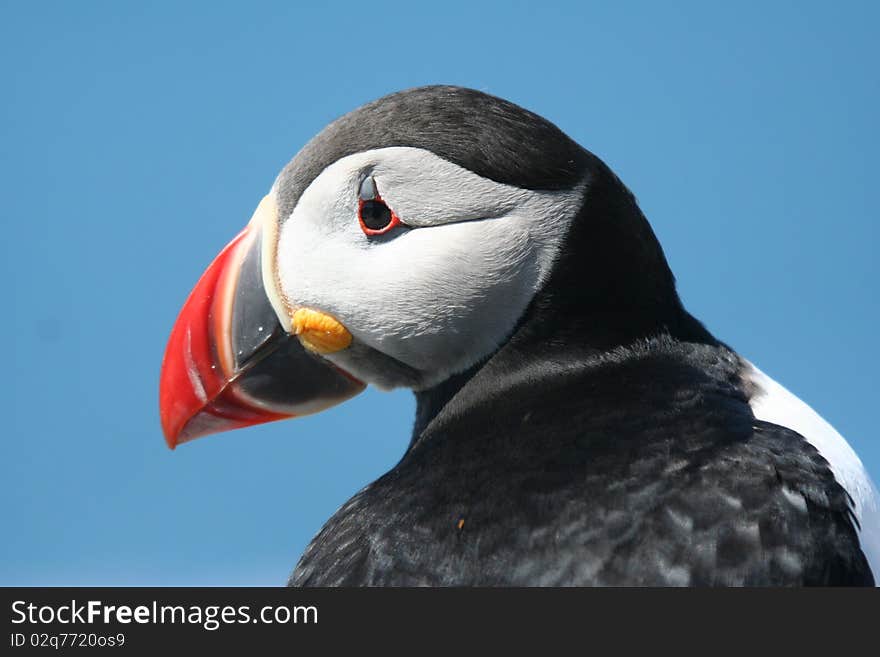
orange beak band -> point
(230, 364)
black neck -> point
(431, 401)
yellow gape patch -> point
(319, 332)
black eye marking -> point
(374, 215)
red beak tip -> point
(171, 437)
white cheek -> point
(433, 295)
(445, 295)
(441, 295)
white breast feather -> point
(773, 403)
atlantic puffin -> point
(575, 425)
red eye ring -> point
(371, 232)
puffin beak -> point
(230, 363)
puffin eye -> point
(374, 215)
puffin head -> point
(401, 246)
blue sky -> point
(138, 138)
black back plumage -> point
(608, 441)
(644, 467)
